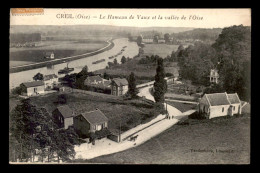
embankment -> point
(59, 61)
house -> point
(219, 104)
(214, 76)
(49, 55)
(147, 40)
(33, 88)
(88, 122)
(63, 116)
(93, 80)
(50, 81)
(97, 84)
(169, 80)
(119, 86)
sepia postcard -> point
(129, 86)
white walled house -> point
(33, 88)
(219, 104)
(50, 81)
(119, 86)
(214, 76)
(93, 80)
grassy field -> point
(215, 141)
(162, 50)
(143, 72)
(131, 112)
(60, 49)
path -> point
(144, 131)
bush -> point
(168, 74)
(62, 99)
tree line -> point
(230, 54)
(23, 37)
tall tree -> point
(233, 48)
(160, 84)
(123, 59)
(34, 128)
(38, 76)
(115, 61)
(139, 40)
(132, 90)
(167, 37)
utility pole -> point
(120, 130)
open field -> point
(216, 141)
(143, 72)
(162, 50)
(131, 112)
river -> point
(15, 79)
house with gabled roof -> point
(33, 88)
(88, 122)
(119, 86)
(63, 116)
(220, 104)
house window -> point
(35, 90)
(222, 109)
(234, 108)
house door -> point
(230, 111)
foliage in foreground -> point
(33, 129)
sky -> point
(198, 18)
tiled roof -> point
(65, 111)
(50, 76)
(33, 84)
(217, 99)
(222, 99)
(120, 82)
(95, 117)
(233, 98)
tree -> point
(132, 90)
(106, 76)
(62, 99)
(233, 48)
(33, 128)
(38, 76)
(160, 84)
(167, 37)
(123, 60)
(115, 61)
(156, 38)
(139, 40)
(85, 70)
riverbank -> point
(59, 61)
